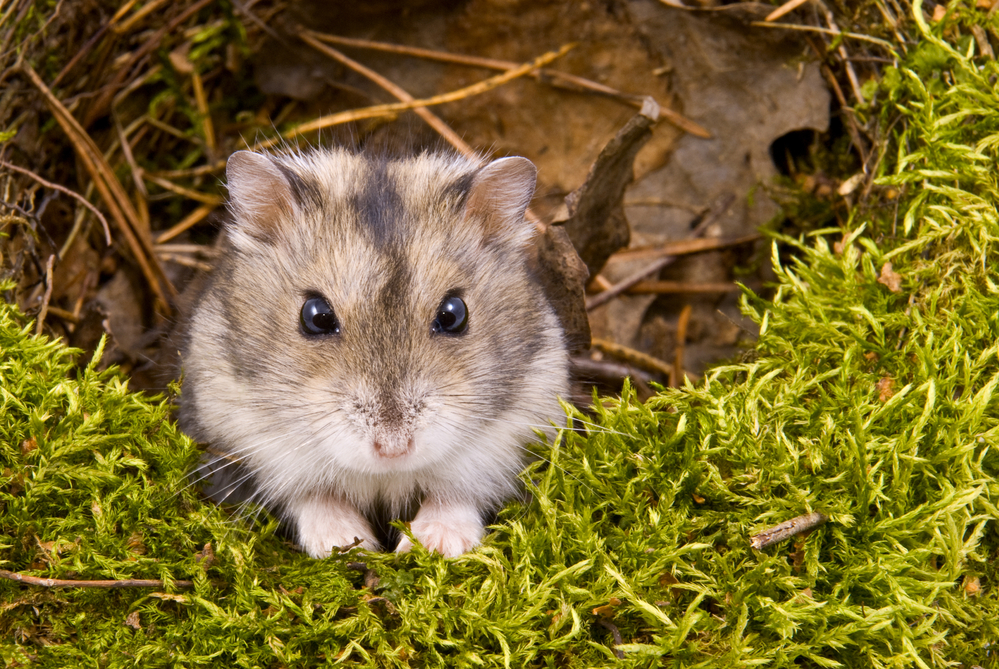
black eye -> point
(452, 317)
(318, 317)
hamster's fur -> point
(388, 411)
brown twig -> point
(632, 357)
(43, 312)
(205, 198)
(676, 378)
(786, 8)
(553, 77)
(62, 189)
(111, 584)
(824, 31)
(189, 221)
(679, 287)
(609, 370)
(682, 247)
(787, 530)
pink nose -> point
(393, 448)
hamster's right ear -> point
(261, 194)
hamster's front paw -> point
(322, 522)
(448, 529)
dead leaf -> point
(28, 445)
(132, 620)
(890, 277)
(886, 388)
(607, 610)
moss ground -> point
(870, 397)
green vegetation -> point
(870, 397)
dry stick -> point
(62, 189)
(434, 121)
(110, 189)
(112, 584)
(204, 198)
(679, 287)
(201, 101)
(825, 31)
(681, 341)
(189, 221)
(609, 371)
(632, 357)
(682, 247)
(48, 295)
(392, 108)
(786, 8)
(625, 284)
(787, 530)
(553, 77)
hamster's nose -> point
(388, 447)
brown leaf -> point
(28, 445)
(889, 277)
(607, 610)
(132, 620)
(886, 388)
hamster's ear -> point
(498, 198)
(260, 194)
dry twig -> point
(676, 378)
(62, 189)
(786, 530)
(632, 357)
(107, 585)
(43, 312)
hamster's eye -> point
(452, 317)
(318, 318)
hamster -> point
(372, 338)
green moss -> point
(877, 408)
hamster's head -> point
(372, 316)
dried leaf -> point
(890, 277)
(132, 620)
(886, 388)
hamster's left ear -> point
(498, 198)
(261, 194)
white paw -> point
(450, 531)
(324, 524)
